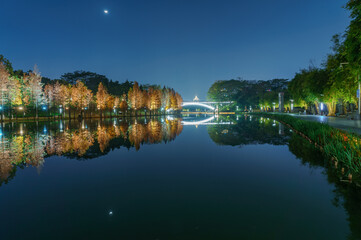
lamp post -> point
(358, 90)
(274, 107)
(2, 113)
(291, 105)
(61, 111)
(21, 109)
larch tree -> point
(49, 95)
(165, 98)
(155, 99)
(135, 97)
(35, 87)
(56, 92)
(123, 105)
(146, 98)
(101, 98)
(16, 95)
(4, 84)
(116, 104)
(65, 97)
(110, 103)
(179, 101)
(173, 100)
(81, 96)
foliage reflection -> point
(258, 130)
(28, 144)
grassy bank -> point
(341, 146)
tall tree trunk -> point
(317, 106)
(36, 110)
(331, 108)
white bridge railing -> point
(204, 104)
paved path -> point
(337, 122)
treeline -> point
(330, 88)
(79, 94)
(335, 83)
(248, 94)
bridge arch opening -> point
(199, 105)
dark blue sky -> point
(184, 44)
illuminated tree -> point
(101, 98)
(4, 82)
(123, 105)
(81, 96)
(135, 97)
(173, 100)
(110, 103)
(116, 104)
(65, 97)
(155, 99)
(16, 96)
(166, 98)
(146, 99)
(56, 92)
(49, 95)
(35, 87)
(179, 101)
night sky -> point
(184, 44)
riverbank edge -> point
(333, 142)
(52, 119)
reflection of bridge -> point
(207, 121)
(209, 105)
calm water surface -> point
(171, 178)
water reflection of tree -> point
(103, 138)
(82, 140)
(249, 131)
(154, 132)
(346, 195)
(20, 150)
(79, 140)
(263, 131)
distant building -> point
(195, 99)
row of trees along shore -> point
(332, 85)
(79, 95)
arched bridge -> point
(209, 105)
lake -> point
(196, 177)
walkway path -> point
(337, 122)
